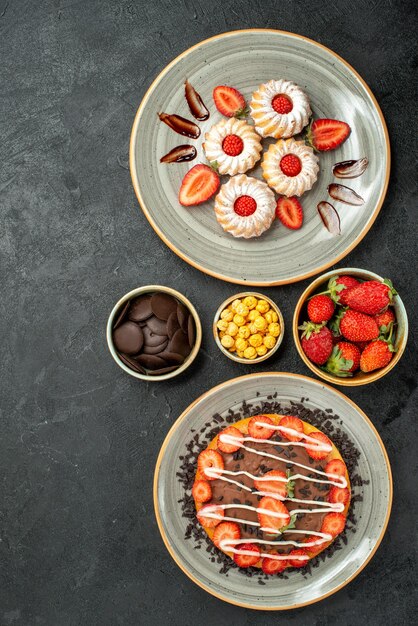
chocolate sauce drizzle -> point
(196, 105)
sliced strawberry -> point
(318, 454)
(226, 531)
(340, 495)
(258, 432)
(290, 421)
(209, 521)
(247, 560)
(202, 491)
(229, 101)
(314, 550)
(198, 185)
(273, 486)
(207, 459)
(229, 448)
(272, 522)
(298, 562)
(336, 467)
(289, 211)
(333, 524)
(325, 134)
(273, 566)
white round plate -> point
(372, 512)
(245, 59)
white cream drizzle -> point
(324, 507)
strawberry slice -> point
(229, 101)
(295, 562)
(258, 432)
(293, 422)
(229, 448)
(201, 491)
(207, 459)
(289, 211)
(273, 486)
(326, 134)
(272, 522)
(317, 453)
(198, 185)
(247, 560)
(340, 495)
(314, 550)
(226, 531)
(273, 566)
(205, 520)
(333, 524)
(336, 467)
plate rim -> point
(171, 432)
(184, 256)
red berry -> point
(290, 421)
(314, 550)
(226, 531)
(247, 560)
(356, 326)
(316, 342)
(198, 185)
(259, 432)
(228, 100)
(272, 522)
(340, 495)
(207, 459)
(384, 319)
(289, 211)
(229, 448)
(205, 519)
(326, 134)
(371, 297)
(333, 524)
(338, 287)
(272, 486)
(282, 104)
(320, 309)
(318, 453)
(245, 206)
(273, 566)
(344, 359)
(298, 562)
(202, 491)
(232, 145)
(290, 165)
(336, 467)
(376, 355)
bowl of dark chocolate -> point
(154, 333)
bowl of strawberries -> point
(350, 326)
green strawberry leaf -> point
(290, 486)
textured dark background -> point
(79, 438)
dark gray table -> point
(79, 438)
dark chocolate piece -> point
(171, 357)
(140, 308)
(182, 316)
(121, 315)
(162, 304)
(191, 331)
(133, 365)
(152, 339)
(163, 370)
(179, 343)
(157, 326)
(150, 361)
(155, 349)
(172, 324)
(128, 338)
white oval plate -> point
(372, 512)
(245, 59)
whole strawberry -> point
(338, 287)
(316, 342)
(384, 319)
(356, 326)
(320, 309)
(344, 360)
(376, 355)
(371, 297)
